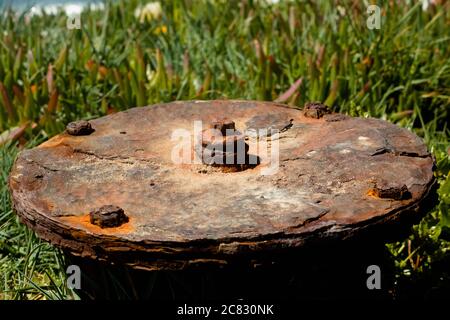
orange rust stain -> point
(83, 222)
(372, 193)
(54, 142)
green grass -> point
(29, 268)
(50, 75)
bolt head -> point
(223, 125)
(108, 216)
(385, 190)
(79, 128)
(315, 110)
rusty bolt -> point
(222, 125)
(315, 110)
(210, 139)
(228, 138)
(391, 191)
(79, 128)
(108, 216)
(216, 147)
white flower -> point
(426, 4)
(268, 3)
(151, 10)
(341, 10)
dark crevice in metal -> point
(126, 160)
(287, 127)
(385, 150)
(310, 220)
(43, 166)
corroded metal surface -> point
(337, 176)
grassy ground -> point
(50, 75)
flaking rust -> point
(337, 177)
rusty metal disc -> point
(337, 176)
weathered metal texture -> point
(329, 185)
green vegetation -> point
(50, 75)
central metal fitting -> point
(222, 145)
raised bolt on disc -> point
(108, 216)
(315, 110)
(222, 141)
(79, 128)
(223, 125)
(393, 191)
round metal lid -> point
(333, 175)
